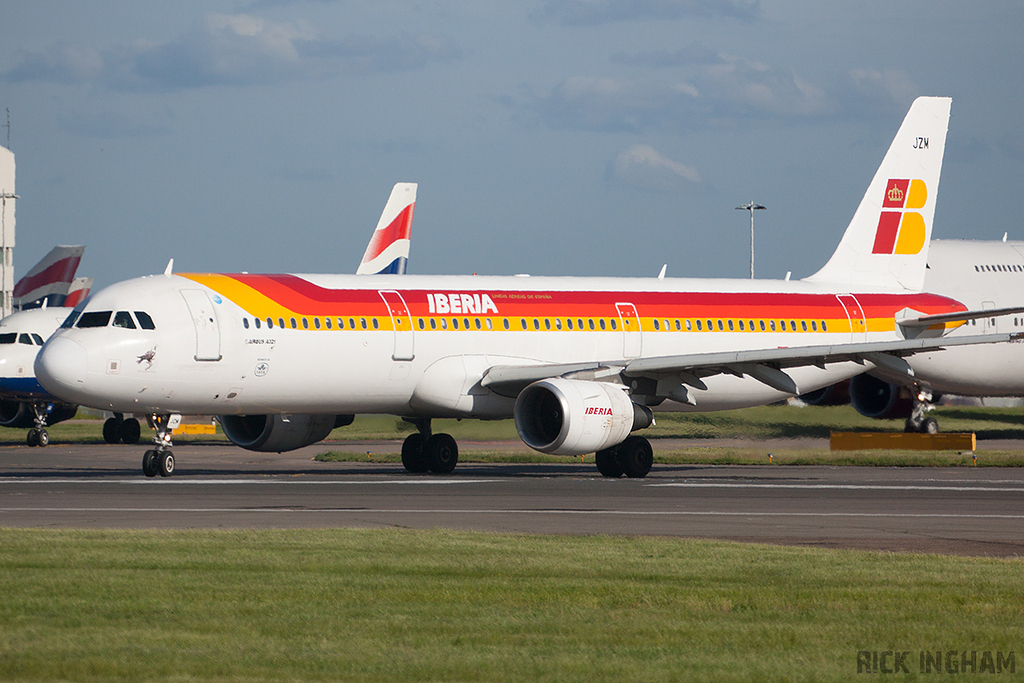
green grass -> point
(392, 605)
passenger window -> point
(316, 323)
(419, 323)
(505, 321)
(255, 320)
(699, 326)
(270, 323)
(762, 325)
(146, 323)
(612, 322)
(374, 320)
(245, 323)
(305, 324)
(823, 328)
(327, 322)
(455, 323)
(280, 323)
(94, 319)
(657, 325)
(601, 321)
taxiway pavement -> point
(970, 511)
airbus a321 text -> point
(578, 362)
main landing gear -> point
(633, 457)
(439, 453)
(160, 460)
(426, 452)
(119, 430)
(38, 436)
(919, 421)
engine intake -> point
(876, 398)
(277, 433)
(573, 417)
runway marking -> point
(627, 513)
(992, 486)
(865, 487)
(208, 482)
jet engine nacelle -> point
(876, 398)
(573, 417)
(19, 415)
(279, 433)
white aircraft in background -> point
(983, 275)
(282, 359)
(40, 295)
(24, 403)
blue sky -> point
(578, 137)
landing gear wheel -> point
(112, 430)
(149, 463)
(413, 457)
(33, 438)
(636, 457)
(42, 438)
(441, 453)
(608, 463)
(165, 463)
(130, 431)
(930, 426)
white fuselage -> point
(981, 275)
(401, 345)
(21, 337)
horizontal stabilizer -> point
(962, 316)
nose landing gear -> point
(37, 436)
(160, 460)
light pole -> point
(751, 207)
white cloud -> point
(239, 49)
(645, 167)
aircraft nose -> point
(61, 365)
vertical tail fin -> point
(51, 277)
(388, 250)
(78, 291)
(886, 243)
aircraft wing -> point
(764, 365)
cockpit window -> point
(69, 322)
(145, 322)
(124, 319)
(38, 340)
(25, 339)
(8, 338)
(94, 319)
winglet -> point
(886, 243)
(169, 270)
(388, 250)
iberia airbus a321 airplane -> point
(578, 362)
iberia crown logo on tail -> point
(901, 231)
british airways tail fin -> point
(886, 243)
(50, 278)
(78, 292)
(388, 250)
